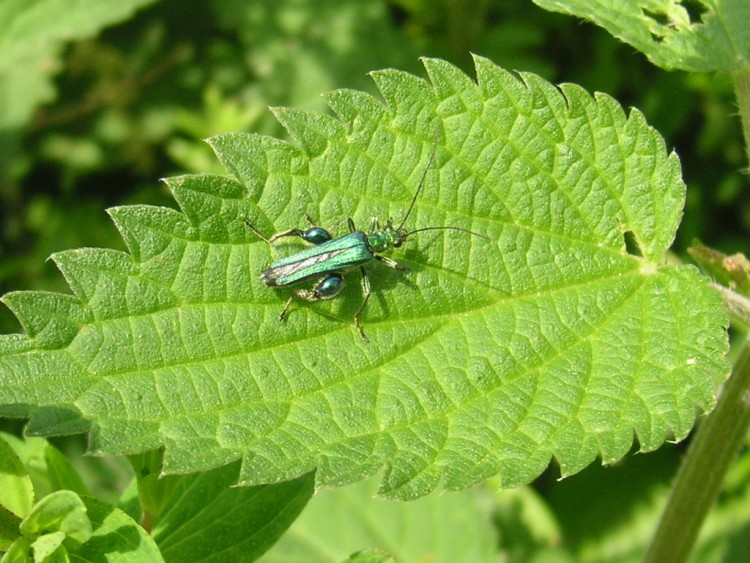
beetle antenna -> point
(424, 175)
(485, 237)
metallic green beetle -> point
(329, 257)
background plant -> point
(129, 111)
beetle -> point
(330, 257)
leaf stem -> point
(700, 477)
(742, 90)
(736, 304)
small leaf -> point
(116, 537)
(550, 339)
(62, 511)
(18, 552)
(16, 492)
(48, 468)
(48, 548)
(699, 36)
(438, 528)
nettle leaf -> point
(550, 339)
(698, 36)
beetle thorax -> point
(387, 238)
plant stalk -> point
(699, 479)
(742, 91)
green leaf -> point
(48, 548)
(62, 511)
(207, 515)
(196, 515)
(48, 469)
(16, 491)
(548, 340)
(438, 528)
(31, 33)
(32, 27)
(116, 536)
(64, 526)
(19, 552)
(699, 36)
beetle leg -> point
(390, 263)
(274, 238)
(282, 316)
(256, 232)
(327, 288)
(290, 233)
(313, 235)
(337, 225)
(366, 292)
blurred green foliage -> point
(133, 103)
